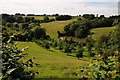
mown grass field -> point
(53, 27)
(101, 31)
(53, 63)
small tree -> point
(82, 31)
(46, 19)
(67, 49)
(90, 44)
(16, 25)
(79, 53)
(61, 44)
(89, 16)
(46, 45)
(39, 32)
(55, 44)
(115, 22)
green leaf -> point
(11, 70)
(103, 72)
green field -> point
(100, 31)
(53, 63)
(53, 27)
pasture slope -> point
(53, 63)
(101, 31)
(53, 27)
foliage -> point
(43, 43)
(89, 16)
(46, 45)
(76, 29)
(39, 32)
(82, 32)
(23, 28)
(63, 17)
(61, 44)
(106, 63)
(102, 69)
(90, 45)
(79, 53)
(116, 21)
(71, 28)
(67, 49)
(12, 66)
(55, 43)
(46, 19)
(102, 22)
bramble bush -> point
(12, 66)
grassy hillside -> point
(100, 31)
(53, 63)
(55, 26)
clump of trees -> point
(43, 43)
(63, 17)
(39, 32)
(47, 19)
(77, 29)
(88, 16)
(17, 18)
(81, 28)
(105, 64)
(23, 28)
(102, 22)
(82, 32)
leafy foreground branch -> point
(102, 69)
(12, 66)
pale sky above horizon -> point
(72, 7)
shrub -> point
(63, 17)
(79, 53)
(12, 66)
(39, 32)
(46, 19)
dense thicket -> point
(23, 28)
(13, 68)
(63, 17)
(88, 16)
(106, 62)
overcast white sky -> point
(72, 7)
